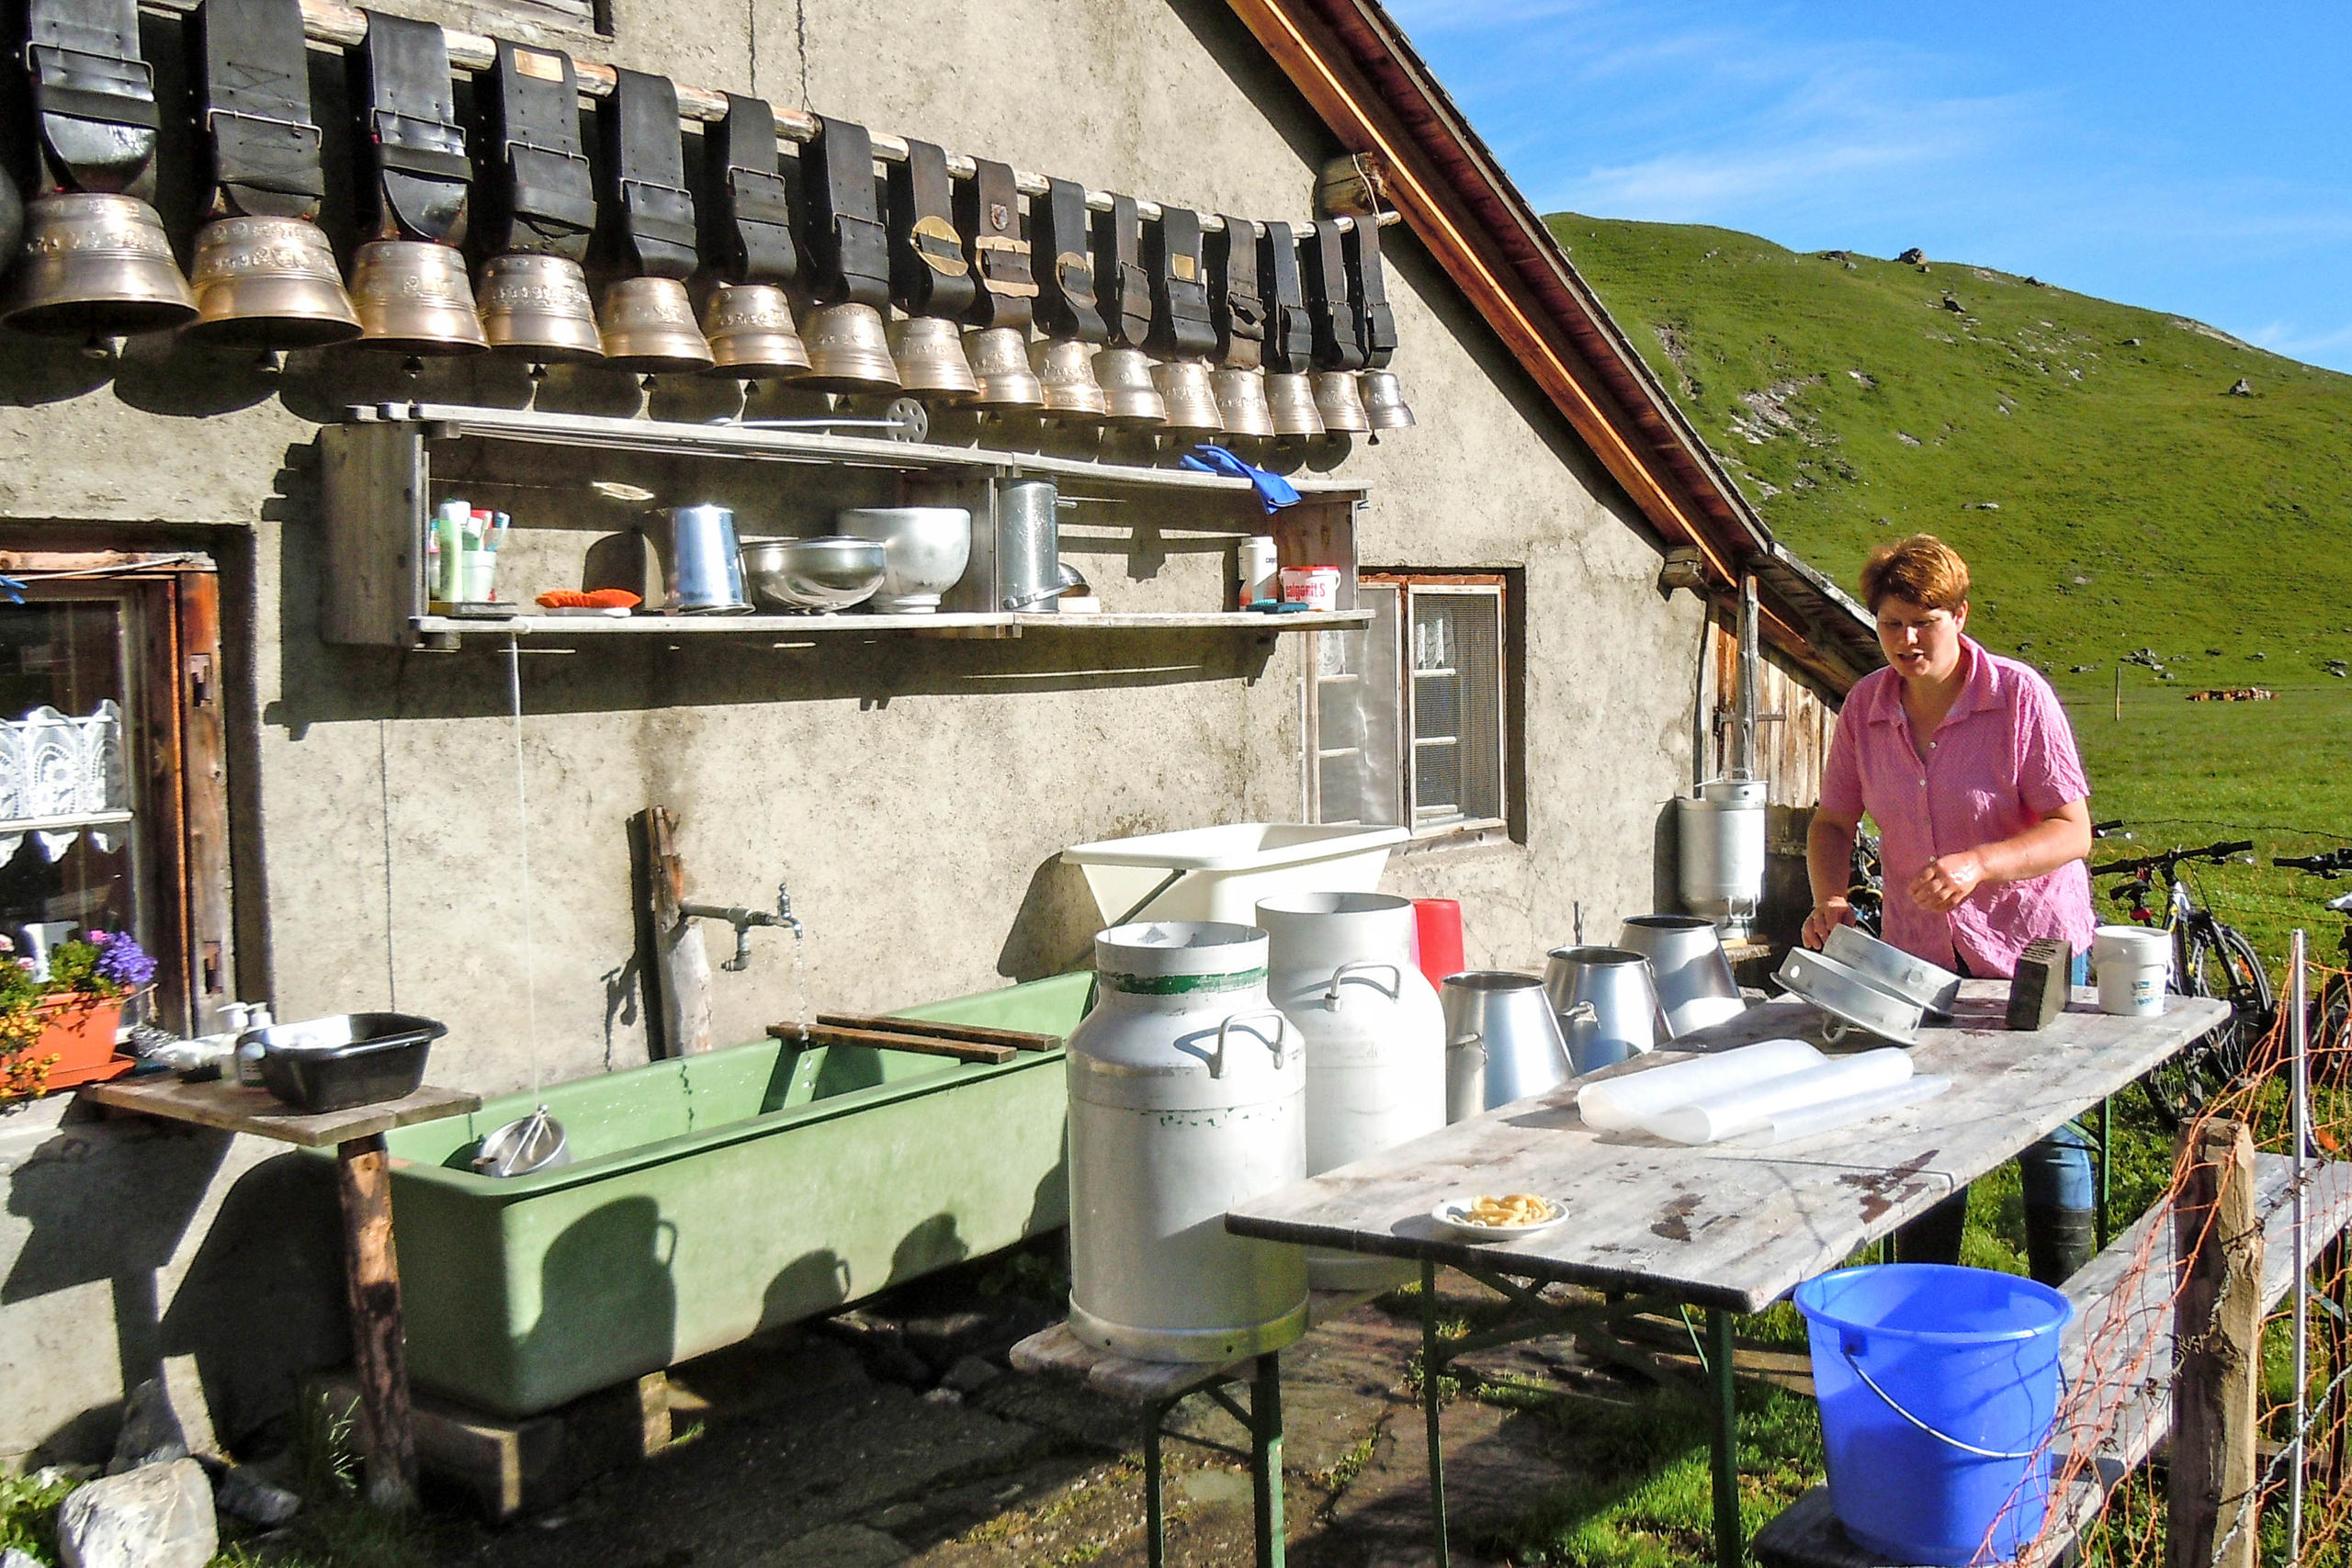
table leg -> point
(1155, 1524)
(1430, 1368)
(2105, 1165)
(1266, 1458)
(1730, 1549)
(372, 1284)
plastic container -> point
(1437, 927)
(1221, 873)
(2133, 964)
(352, 1058)
(1938, 1387)
(1317, 587)
(1619, 1103)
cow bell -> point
(1241, 403)
(929, 353)
(999, 357)
(848, 350)
(650, 327)
(1383, 401)
(537, 308)
(96, 266)
(1340, 403)
(1290, 400)
(1064, 368)
(1192, 407)
(751, 331)
(268, 283)
(413, 298)
(1130, 396)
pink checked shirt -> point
(2001, 761)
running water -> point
(800, 982)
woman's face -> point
(1921, 644)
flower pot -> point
(79, 1032)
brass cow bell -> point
(413, 297)
(1383, 401)
(1241, 403)
(537, 308)
(1192, 407)
(649, 325)
(751, 331)
(848, 350)
(1064, 368)
(268, 283)
(999, 357)
(1340, 403)
(1130, 396)
(1292, 403)
(96, 266)
(929, 354)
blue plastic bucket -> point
(1938, 1387)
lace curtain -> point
(54, 769)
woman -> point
(1966, 763)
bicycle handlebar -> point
(2325, 864)
(2216, 853)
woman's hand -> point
(1943, 885)
(1826, 917)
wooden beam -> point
(372, 1284)
(682, 967)
(2217, 1335)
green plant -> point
(106, 966)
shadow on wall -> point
(1053, 931)
(606, 1296)
(1666, 858)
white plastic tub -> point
(1221, 873)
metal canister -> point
(1187, 1094)
(1607, 1001)
(1501, 1038)
(702, 567)
(1028, 546)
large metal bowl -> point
(927, 548)
(828, 573)
(1849, 998)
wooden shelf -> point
(449, 630)
(1223, 620)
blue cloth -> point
(1275, 492)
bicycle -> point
(1865, 891)
(2209, 959)
(2329, 1014)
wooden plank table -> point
(370, 1269)
(1732, 1227)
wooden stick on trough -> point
(975, 1034)
(881, 1040)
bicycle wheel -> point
(2329, 1023)
(2217, 960)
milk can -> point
(1341, 969)
(1186, 1096)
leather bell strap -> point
(257, 108)
(1124, 287)
(988, 209)
(849, 252)
(930, 275)
(1368, 286)
(417, 147)
(1290, 332)
(1235, 308)
(1336, 344)
(1181, 327)
(645, 166)
(747, 218)
(541, 192)
(93, 95)
(1059, 226)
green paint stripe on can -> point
(1183, 985)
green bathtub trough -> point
(713, 1196)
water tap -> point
(743, 920)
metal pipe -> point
(1431, 1364)
(2299, 1121)
(1730, 1550)
(1750, 676)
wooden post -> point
(682, 967)
(2119, 691)
(372, 1282)
(2217, 1359)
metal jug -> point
(1694, 981)
(702, 567)
(1028, 546)
(1508, 1021)
(1607, 1003)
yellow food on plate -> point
(1511, 1209)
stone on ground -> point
(255, 1500)
(157, 1517)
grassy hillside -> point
(2110, 493)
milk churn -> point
(1187, 1094)
(1342, 971)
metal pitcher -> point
(1028, 546)
(702, 569)
(1502, 1041)
(1694, 980)
(1607, 1004)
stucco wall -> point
(914, 794)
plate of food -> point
(1484, 1217)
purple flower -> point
(121, 960)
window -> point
(1406, 717)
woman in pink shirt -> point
(1966, 763)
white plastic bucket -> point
(2133, 964)
(1317, 587)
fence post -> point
(2217, 1355)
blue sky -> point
(2190, 157)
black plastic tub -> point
(344, 1060)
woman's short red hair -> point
(1921, 569)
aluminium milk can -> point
(1342, 970)
(1187, 1093)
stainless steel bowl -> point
(927, 548)
(1849, 998)
(828, 573)
(1890, 968)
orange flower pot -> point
(79, 1032)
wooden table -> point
(370, 1269)
(1727, 1227)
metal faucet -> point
(743, 920)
